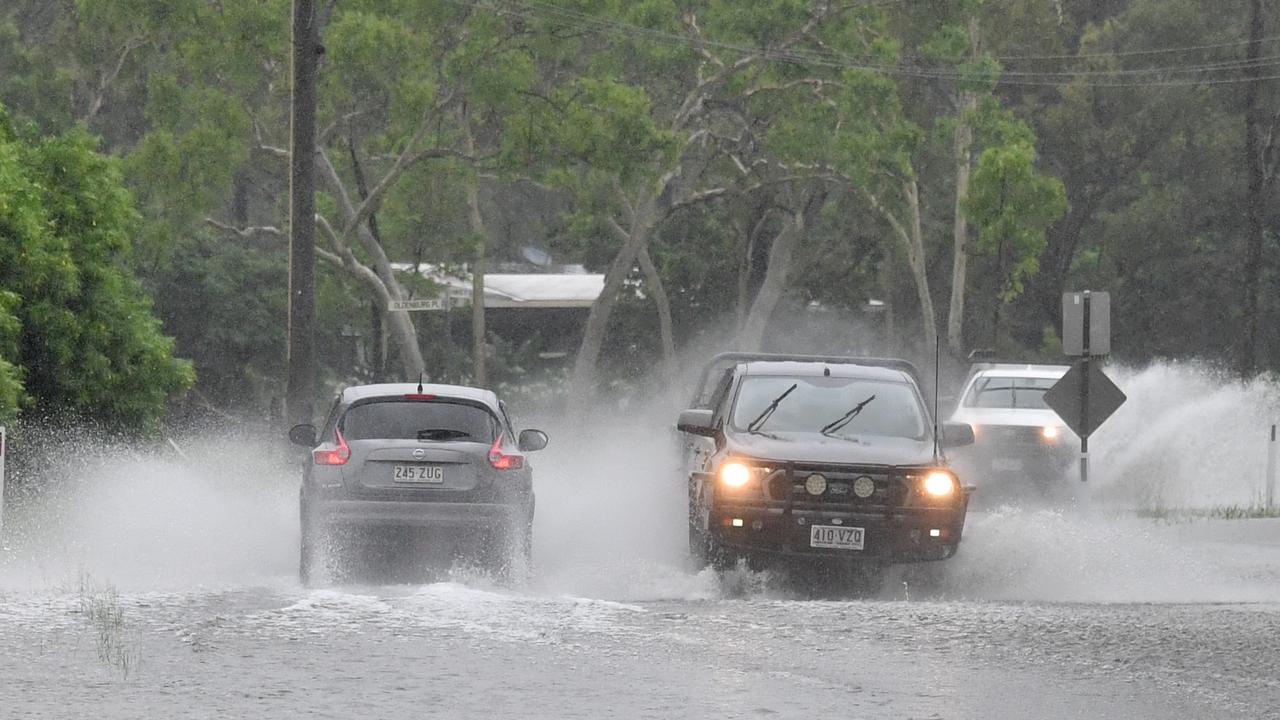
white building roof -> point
(525, 290)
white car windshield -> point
(1009, 392)
(830, 403)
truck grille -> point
(788, 485)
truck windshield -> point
(1009, 392)
(818, 401)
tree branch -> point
(689, 20)
(246, 233)
(406, 159)
(109, 79)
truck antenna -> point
(937, 356)
(420, 386)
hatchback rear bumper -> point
(441, 515)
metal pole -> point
(300, 383)
(1084, 397)
(1271, 470)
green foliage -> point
(1011, 204)
(76, 322)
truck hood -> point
(815, 448)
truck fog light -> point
(737, 522)
(935, 532)
(757, 525)
(864, 487)
(815, 484)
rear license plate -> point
(428, 474)
(1006, 464)
(836, 537)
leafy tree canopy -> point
(77, 334)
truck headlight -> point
(1050, 433)
(735, 474)
(940, 484)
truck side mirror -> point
(956, 434)
(696, 421)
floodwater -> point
(162, 584)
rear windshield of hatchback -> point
(428, 421)
(1024, 393)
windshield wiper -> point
(760, 420)
(847, 418)
(441, 434)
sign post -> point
(1271, 469)
(1084, 398)
(3, 449)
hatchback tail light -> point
(336, 455)
(503, 461)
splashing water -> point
(610, 520)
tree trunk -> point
(665, 328)
(398, 322)
(911, 236)
(963, 142)
(584, 365)
(781, 253)
(919, 268)
(479, 375)
(744, 271)
(1255, 202)
(377, 343)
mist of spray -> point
(215, 510)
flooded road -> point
(660, 641)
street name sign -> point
(440, 303)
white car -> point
(1016, 435)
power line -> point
(1132, 53)
(535, 10)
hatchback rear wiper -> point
(760, 420)
(441, 434)
(847, 418)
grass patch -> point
(1217, 512)
(116, 646)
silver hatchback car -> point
(427, 470)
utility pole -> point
(1255, 116)
(300, 383)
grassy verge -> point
(1219, 512)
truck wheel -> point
(699, 550)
